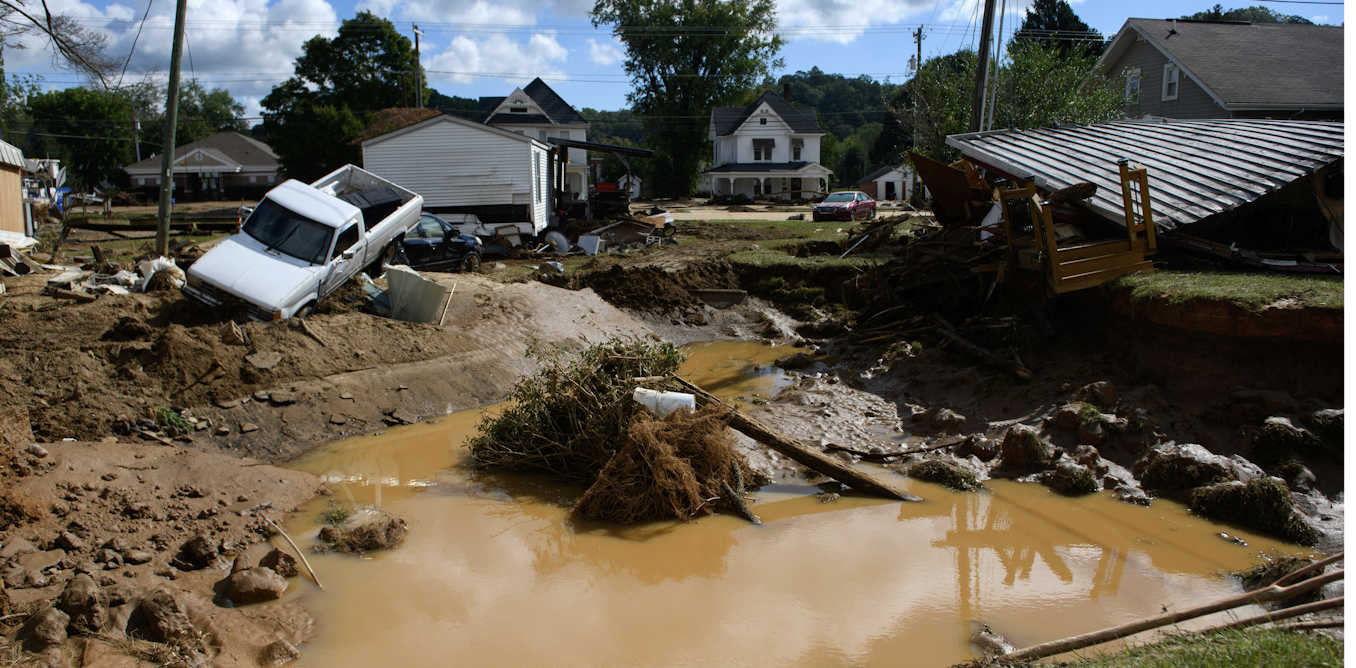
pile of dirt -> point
(128, 542)
(654, 283)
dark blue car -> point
(435, 245)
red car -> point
(848, 205)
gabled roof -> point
(1246, 65)
(876, 174)
(802, 120)
(449, 118)
(554, 108)
(228, 147)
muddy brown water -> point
(495, 572)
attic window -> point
(762, 121)
(518, 110)
(1170, 83)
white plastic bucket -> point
(663, 403)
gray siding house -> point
(1228, 69)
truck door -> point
(347, 256)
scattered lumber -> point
(975, 351)
(1276, 592)
(824, 464)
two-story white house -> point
(538, 112)
(768, 149)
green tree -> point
(202, 113)
(311, 118)
(1037, 86)
(1257, 14)
(1054, 21)
(462, 107)
(90, 131)
(685, 57)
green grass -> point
(1240, 648)
(1251, 291)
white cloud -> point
(1321, 20)
(841, 20)
(606, 53)
(496, 55)
(501, 12)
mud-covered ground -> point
(156, 421)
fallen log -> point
(1275, 592)
(1287, 613)
(975, 351)
(818, 461)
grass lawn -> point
(1239, 648)
(1251, 290)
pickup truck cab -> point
(304, 241)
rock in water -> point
(255, 585)
(281, 563)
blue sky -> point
(474, 48)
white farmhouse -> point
(767, 149)
(538, 112)
(891, 182)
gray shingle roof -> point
(229, 144)
(1256, 63)
(875, 175)
(555, 108)
(801, 119)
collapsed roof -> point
(1197, 168)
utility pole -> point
(171, 120)
(982, 71)
(418, 71)
(917, 72)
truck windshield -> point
(287, 232)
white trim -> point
(1176, 81)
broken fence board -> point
(858, 480)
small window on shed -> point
(1170, 83)
(346, 240)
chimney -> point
(786, 92)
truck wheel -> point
(557, 240)
(378, 266)
(306, 311)
(470, 262)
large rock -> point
(1264, 504)
(255, 585)
(1071, 478)
(1023, 447)
(86, 603)
(1176, 467)
(16, 547)
(166, 617)
(278, 653)
(200, 551)
(1101, 393)
(280, 562)
(45, 628)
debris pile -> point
(382, 532)
(575, 421)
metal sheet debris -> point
(1198, 168)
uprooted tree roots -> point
(379, 533)
(575, 420)
(674, 467)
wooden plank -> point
(1100, 263)
(832, 467)
(1080, 251)
(1096, 278)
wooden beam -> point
(859, 480)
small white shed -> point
(891, 182)
(462, 166)
(631, 183)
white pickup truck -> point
(302, 242)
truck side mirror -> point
(348, 254)
(245, 211)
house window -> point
(518, 110)
(536, 172)
(270, 178)
(541, 134)
(1170, 75)
(762, 121)
(1132, 86)
(519, 132)
(253, 178)
(762, 149)
(796, 146)
(767, 186)
(757, 186)
(564, 134)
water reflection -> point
(496, 572)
